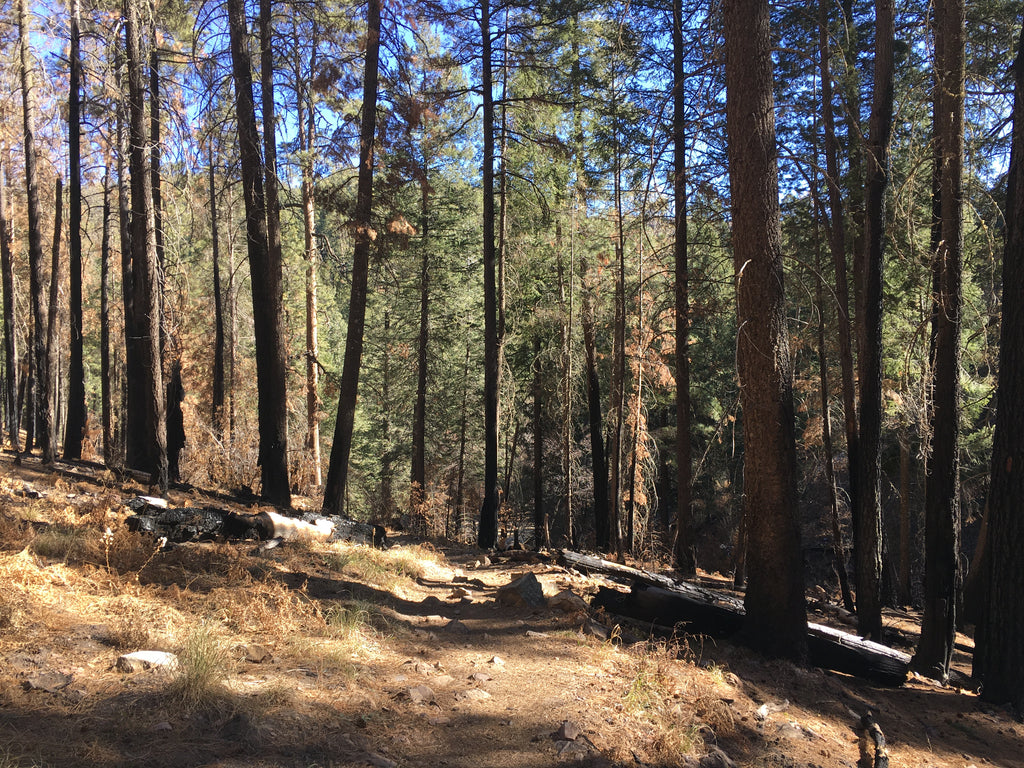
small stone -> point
(526, 592)
(456, 627)
(257, 654)
(480, 677)
(568, 601)
(472, 694)
(531, 633)
(379, 761)
(421, 694)
(716, 758)
(163, 725)
(497, 661)
(443, 681)
(460, 593)
(568, 731)
(50, 682)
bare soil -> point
(335, 655)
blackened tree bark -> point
(144, 268)
(217, 404)
(943, 577)
(999, 647)
(540, 518)
(776, 618)
(602, 514)
(76, 420)
(487, 533)
(106, 373)
(52, 320)
(837, 246)
(418, 469)
(12, 423)
(685, 557)
(868, 519)
(363, 234)
(265, 275)
(40, 362)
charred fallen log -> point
(181, 524)
(700, 611)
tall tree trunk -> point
(999, 645)
(265, 273)
(387, 502)
(616, 409)
(306, 119)
(217, 414)
(461, 473)
(337, 471)
(41, 371)
(943, 577)
(418, 469)
(12, 424)
(53, 319)
(144, 267)
(154, 169)
(868, 520)
(76, 424)
(488, 531)
(565, 338)
(837, 245)
(776, 618)
(838, 550)
(130, 382)
(540, 518)
(685, 557)
(602, 513)
(106, 374)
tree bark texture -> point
(265, 274)
(53, 318)
(943, 577)
(685, 556)
(487, 533)
(540, 518)
(776, 618)
(341, 449)
(12, 423)
(40, 361)
(217, 416)
(107, 388)
(151, 433)
(868, 518)
(999, 651)
(76, 423)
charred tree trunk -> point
(488, 532)
(337, 472)
(144, 267)
(12, 424)
(217, 405)
(265, 274)
(868, 519)
(999, 649)
(106, 374)
(837, 245)
(540, 518)
(76, 422)
(418, 470)
(53, 318)
(776, 618)
(40, 360)
(685, 556)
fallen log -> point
(182, 524)
(687, 608)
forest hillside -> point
(335, 654)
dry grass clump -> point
(672, 703)
(384, 568)
(129, 629)
(202, 669)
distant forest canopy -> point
(538, 250)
